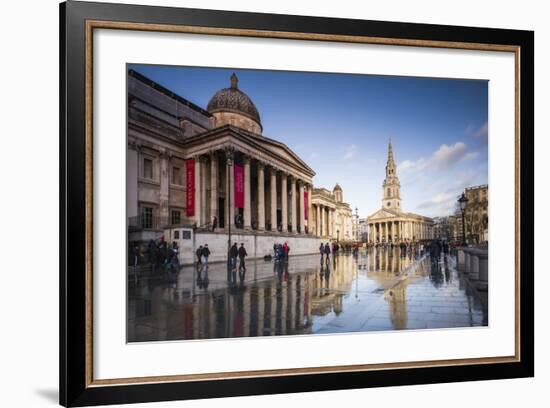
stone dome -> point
(233, 100)
(337, 187)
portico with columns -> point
(276, 189)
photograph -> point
(282, 203)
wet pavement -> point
(376, 290)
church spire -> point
(391, 196)
(390, 153)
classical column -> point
(198, 204)
(247, 207)
(293, 214)
(261, 196)
(302, 209)
(203, 164)
(231, 195)
(318, 220)
(324, 221)
(330, 223)
(398, 227)
(273, 191)
(284, 203)
(164, 196)
(214, 187)
(310, 210)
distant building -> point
(390, 223)
(362, 230)
(443, 228)
(332, 217)
(476, 216)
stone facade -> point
(332, 218)
(476, 215)
(185, 164)
(390, 223)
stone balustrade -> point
(473, 263)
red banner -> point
(190, 179)
(306, 206)
(239, 185)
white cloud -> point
(442, 203)
(349, 152)
(444, 158)
(447, 156)
(483, 131)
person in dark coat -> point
(327, 252)
(435, 250)
(205, 254)
(199, 254)
(242, 255)
(322, 251)
(233, 253)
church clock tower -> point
(391, 188)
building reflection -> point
(214, 305)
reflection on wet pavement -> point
(376, 290)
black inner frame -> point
(73, 392)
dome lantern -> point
(231, 106)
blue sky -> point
(340, 124)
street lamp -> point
(356, 224)
(462, 202)
(229, 156)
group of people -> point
(325, 252)
(158, 253)
(202, 253)
(280, 252)
(237, 252)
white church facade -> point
(390, 223)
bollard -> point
(483, 256)
(467, 256)
(461, 259)
(474, 265)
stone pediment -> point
(382, 214)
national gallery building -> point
(213, 171)
(391, 223)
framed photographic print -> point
(256, 203)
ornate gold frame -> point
(99, 24)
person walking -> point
(199, 255)
(242, 255)
(327, 252)
(205, 254)
(214, 223)
(286, 250)
(322, 251)
(233, 253)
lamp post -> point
(229, 156)
(462, 202)
(356, 224)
